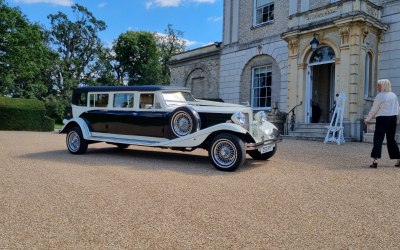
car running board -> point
(123, 141)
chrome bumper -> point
(254, 146)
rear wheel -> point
(227, 152)
(256, 155)
(76, 144)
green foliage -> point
(55, 107)
(78, 46)
(169, 44)
(25, 60)
(137, 53)
(24, 114)
(48, 64)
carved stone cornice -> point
(293, 45)
(344, 32)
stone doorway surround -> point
(351, 29)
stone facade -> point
(360, 37)
(198, 70)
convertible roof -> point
(127, 88)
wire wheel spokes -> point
(182, 124)
(224, 153)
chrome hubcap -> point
(74, 141)
(224, 153)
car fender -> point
(76, 122)
(197, 138)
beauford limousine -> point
(168, 117)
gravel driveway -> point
(308, 196)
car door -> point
(145, 119)
(97, 118)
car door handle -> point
(134, 113)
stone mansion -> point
(266, 60)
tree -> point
(169, 44)
(79, 49)
(108, 68)
(137, 54)
(25, 60)
(78, 45)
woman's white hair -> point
(385, 84)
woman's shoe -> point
(374, 165)
(397, 164)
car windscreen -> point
(177, 98)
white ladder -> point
(335, 128)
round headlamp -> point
(260, 117)
(239, 118)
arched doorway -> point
(320, 88)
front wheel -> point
(76, 144)
(256, 155)
(227, 152)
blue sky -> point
(200, 20)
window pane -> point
(92, 98)
(262, 81)
(262, 2)
(264, 11)
(101, 100)
(123, 100)
(146, 101)
(82, 99)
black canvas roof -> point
(128, 88)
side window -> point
(98, 100)
(264, 11)
(81, 99)
(146, 101)
(123, 100)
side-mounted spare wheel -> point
(76, 144)
(227, 152)
(256, 155)
(184, 121)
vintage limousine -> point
(168, 117)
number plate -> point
(266, 149)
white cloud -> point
(173, 3)
(204, 1)
(56, 2)
(102, 5)
(214, 19)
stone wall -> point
(233, 64)
(390, 49)
(198, 70)
(389, 56)
(250, 33)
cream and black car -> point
(168, 117)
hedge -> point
(24, 114)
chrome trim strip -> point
(254, 146)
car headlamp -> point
(260, 117)
(239, 118)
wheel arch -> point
(247, 138)
(77, 122)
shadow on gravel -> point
(145, 160)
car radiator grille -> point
(211, 119)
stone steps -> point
(312, 132)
